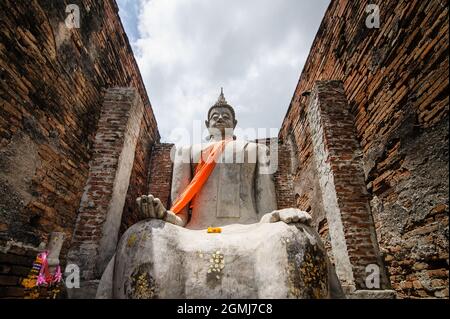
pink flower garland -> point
(45, 278)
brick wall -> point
(395, 79)
(139, 175)
(283, 177)
(52, 82)
(15, 265)
(283, 174)
(158, 183)
(160, 174)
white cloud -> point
(255, 49)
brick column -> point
(160, 173)
(283, 177)
(98, 221)
(337, 156)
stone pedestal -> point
(155, 259)
(372, 294)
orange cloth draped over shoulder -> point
(202, 172)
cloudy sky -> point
(188, 49)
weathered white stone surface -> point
(155, 259)
(372, 294)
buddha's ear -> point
(234, 123)
(207, 123)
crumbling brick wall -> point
(160, 174)
(158, 183)
(52, 82)
(280, 155)
(396, 81)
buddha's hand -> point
(287, 215)
(151, 207)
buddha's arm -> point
(264, 186)
(181, 178)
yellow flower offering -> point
(29, 282)
(214, 230)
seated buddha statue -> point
(223, 236)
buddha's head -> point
(221, 118)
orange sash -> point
(202, 172)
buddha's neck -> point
(218, 138)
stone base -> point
(87, 290)
(158, 260)
(372, 294)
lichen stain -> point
(131, 240)
(308, 276)
(143, 285)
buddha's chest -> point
(228, 195)
(226, 198)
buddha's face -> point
(221, 118)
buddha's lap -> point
(235, 236)
(161, 243)
(241, 258)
